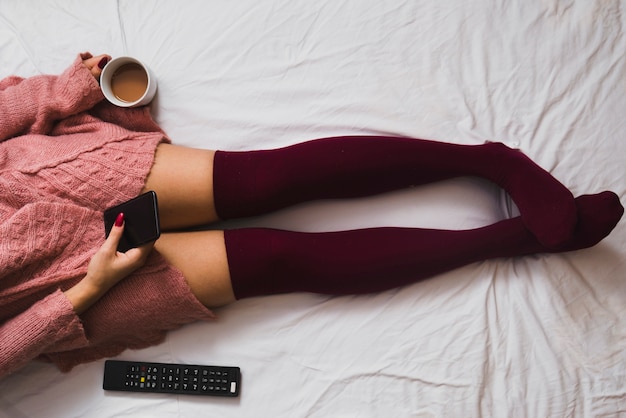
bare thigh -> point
(201, 256)
(183, 181)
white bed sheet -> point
(541, 336)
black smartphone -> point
(141, 221)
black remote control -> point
(179, 379)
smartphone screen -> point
(141, 221)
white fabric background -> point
(541, 336)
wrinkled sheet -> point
(540, 336)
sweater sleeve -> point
(51, 322)
(32, 105)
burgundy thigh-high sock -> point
(255, 182)
(267, 261)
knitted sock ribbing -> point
(267, 261)
(256, 182)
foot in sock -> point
(546, 206)
(598, 214)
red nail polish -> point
(103, 62)
(119, 221)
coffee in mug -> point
(127, 82)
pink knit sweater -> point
(65, 156)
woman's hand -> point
(95, 64)
(106, 268)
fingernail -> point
(119, 221)
(103, 62)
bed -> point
(540, 336)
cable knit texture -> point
(65, 156)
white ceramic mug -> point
(139, 94)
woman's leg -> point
(201, 256)
(254, 182)
(183, 180)
(197, 186)
(222, 266)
